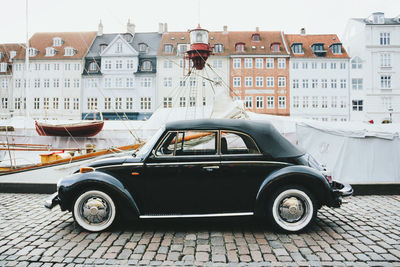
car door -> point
(244, 168)
(180, 174)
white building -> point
(319, 77)
(373, 44)
(7, 55)
(119, 78)
(53, 90)
(175, 88)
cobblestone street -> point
(365, 231)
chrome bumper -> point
(339, 190)
(51, 201)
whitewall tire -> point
(94, 210)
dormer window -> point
(128, 37)
(168, 48)
(255, 37)
(182, 48)
(57, 41)
(297, 48)
(276, 47)
(3, 67)
(102, 47)
(118, 47)
(239, 47)
(378, 18)
(93, 66)
(336, 48)
(143, 47)
(146, 65)
(218, 48)
(69, 51)
(50, 51)
(1, 55)
(12, 54)
(318, 49)
(33, 52)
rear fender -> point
(308, 177)
(71, 186)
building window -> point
(69, 51)
(324, 103)
(248, 101)
(37, 83)
(314, 83)
(145, 82)
(130, 82)
(36, 103)
(142, 47)
(17, 103)
(269, 63)
(182, 101)
(107, 64)
(295, 83)
(239, 47)
(304, 65)
(343, 83)
(168, 48)
(357, 105)
(92, 103)
(46, 83)
(259, 102)
(276, 47)
(259, 63)
(270, 102)
(314, 65)
(259, 81)
(357, 84)
(192, 81)
(237, 81)
(145, 103)
(118, 103)
(46, 103)
(76, 83)
(281, 81)
(218, 48)
(336, 48)
(167, 82)
(386, 60)
(295, 65)
(343, 102)
(334, 102)
(386, 82)
(248, 81)
(192, 101)
(129, 103)
(146, 65)
(333, 65)
(281, 63)
(296, 100)
(255, 37)
(237, 63)
(107, 103)
(129, 64)
(167, 102)
(56, 83)
(66, 103)
(324, 65)
(217, 63)
(248, 63)
(297, 48)
(305, 101)
(315, 101)
(387, 102)
(281, 102)
(305, 83)
(118, 47)
(4, 83)
(76, 103)
(56, 66)
(384, 38)
(270, 82)
(333, 83)
(356, 63)
(118, 64)
(324, 83)
(55, 103)
(93, 66)
(67, 83)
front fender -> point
(306, 176)
(70, 186)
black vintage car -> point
(203, 168)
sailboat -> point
(79, 129)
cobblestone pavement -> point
(365, 231)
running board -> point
(196, 215)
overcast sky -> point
(317, 16)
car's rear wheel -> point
(291, 208)
(94, 210)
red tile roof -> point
(309, 39)
(6, 50)
(80, 41)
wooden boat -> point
(80, 129)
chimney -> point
(160, 28)
(225, 29)
(303, 31)
(257, 29)
(100, 29)
(165, 27)
(130, 27)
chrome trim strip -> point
(255, 162)
(120, 165)
(184, 163)
(196, 215)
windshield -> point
(145, 149)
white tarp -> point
(354, 153)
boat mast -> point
(27, 82)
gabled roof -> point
(80, 41)
(309, 39)
(6, 50)
(120, 37)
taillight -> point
(327, 176)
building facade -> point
(259, 71)
(175, 87)
(319, 77)
(119, 79)
(374, 46)
(52, 85)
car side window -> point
(167, 148)
(237, 143)
(192, 143)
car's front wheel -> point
(94, 210)
(291, 208)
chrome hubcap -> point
(95, 210)
(291, 209)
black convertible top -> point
(268, 139)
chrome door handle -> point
(210, 167)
